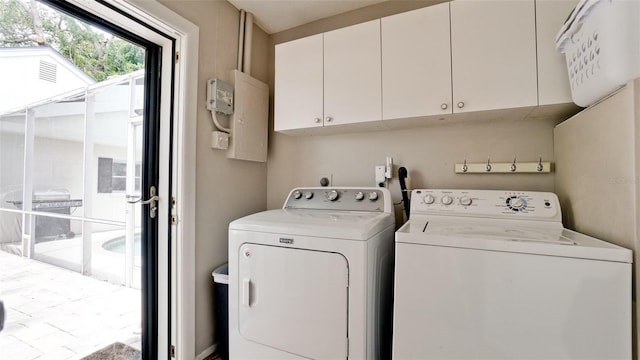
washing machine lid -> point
(544, 239)
(352, 225)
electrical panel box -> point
(219, 96)
(250, 121)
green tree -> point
(27, 23)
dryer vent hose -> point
(402, 174)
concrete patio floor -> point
(54, 313)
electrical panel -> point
(219, 96)
(250, 120)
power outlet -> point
(326, 180)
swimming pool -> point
(117, 245)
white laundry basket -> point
(601, 43)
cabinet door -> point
(553, 80)
(416, 63)
(298, 84)
(493, 50)
(352, 79)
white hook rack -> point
(488, 167)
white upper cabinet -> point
(553, 80)
(299, 84)
(493, 52)
(416, 63)
(451, 58)
(329, 79)
(352, 80)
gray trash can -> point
(221, 293)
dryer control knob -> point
(308, 195)
(373, 196)
(465, 201)
(446, 200)
(332, 195)
(359, 195)
(429, 199)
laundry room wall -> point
(225, 189)
(598, 174)
(429, 153)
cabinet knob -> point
(460, 105)
(317, 120)
(328, 119)
(444, 106)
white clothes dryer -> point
(495, 275)
(313, 279)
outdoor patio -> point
(54, 313)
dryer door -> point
(294, 300)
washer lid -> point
(352, 225)
(504, 236)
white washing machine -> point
(494, 275)
(313, 279)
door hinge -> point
(174, 219)
(177, 56)
(173, 351)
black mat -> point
(115, 351)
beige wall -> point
(429, 154)
(597, 173)
(225, 189)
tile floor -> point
(54, 313)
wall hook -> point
(487, 167)
(512, 167)
(465, 168)
(539, 167)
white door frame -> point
(183, 156)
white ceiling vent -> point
(48, 71)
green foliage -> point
(99, 54)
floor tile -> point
(54, 313)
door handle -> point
(153, 208)
(246, 292)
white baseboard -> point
(206, 352)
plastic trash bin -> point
(221, 293)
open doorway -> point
(79, 167)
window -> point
(112, 176)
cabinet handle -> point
(328, 119)
(460, 105)
(317, 120)
(444, 106)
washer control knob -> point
(429, 199)
(297, 194)
(446, 200)
(465, 201)
(308, 195)
(373, 196)
(359, 195)
(332, 195)
(517, 203)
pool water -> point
(116, 245)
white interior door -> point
(294, 300)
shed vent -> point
(48, 71)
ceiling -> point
(277, 15)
